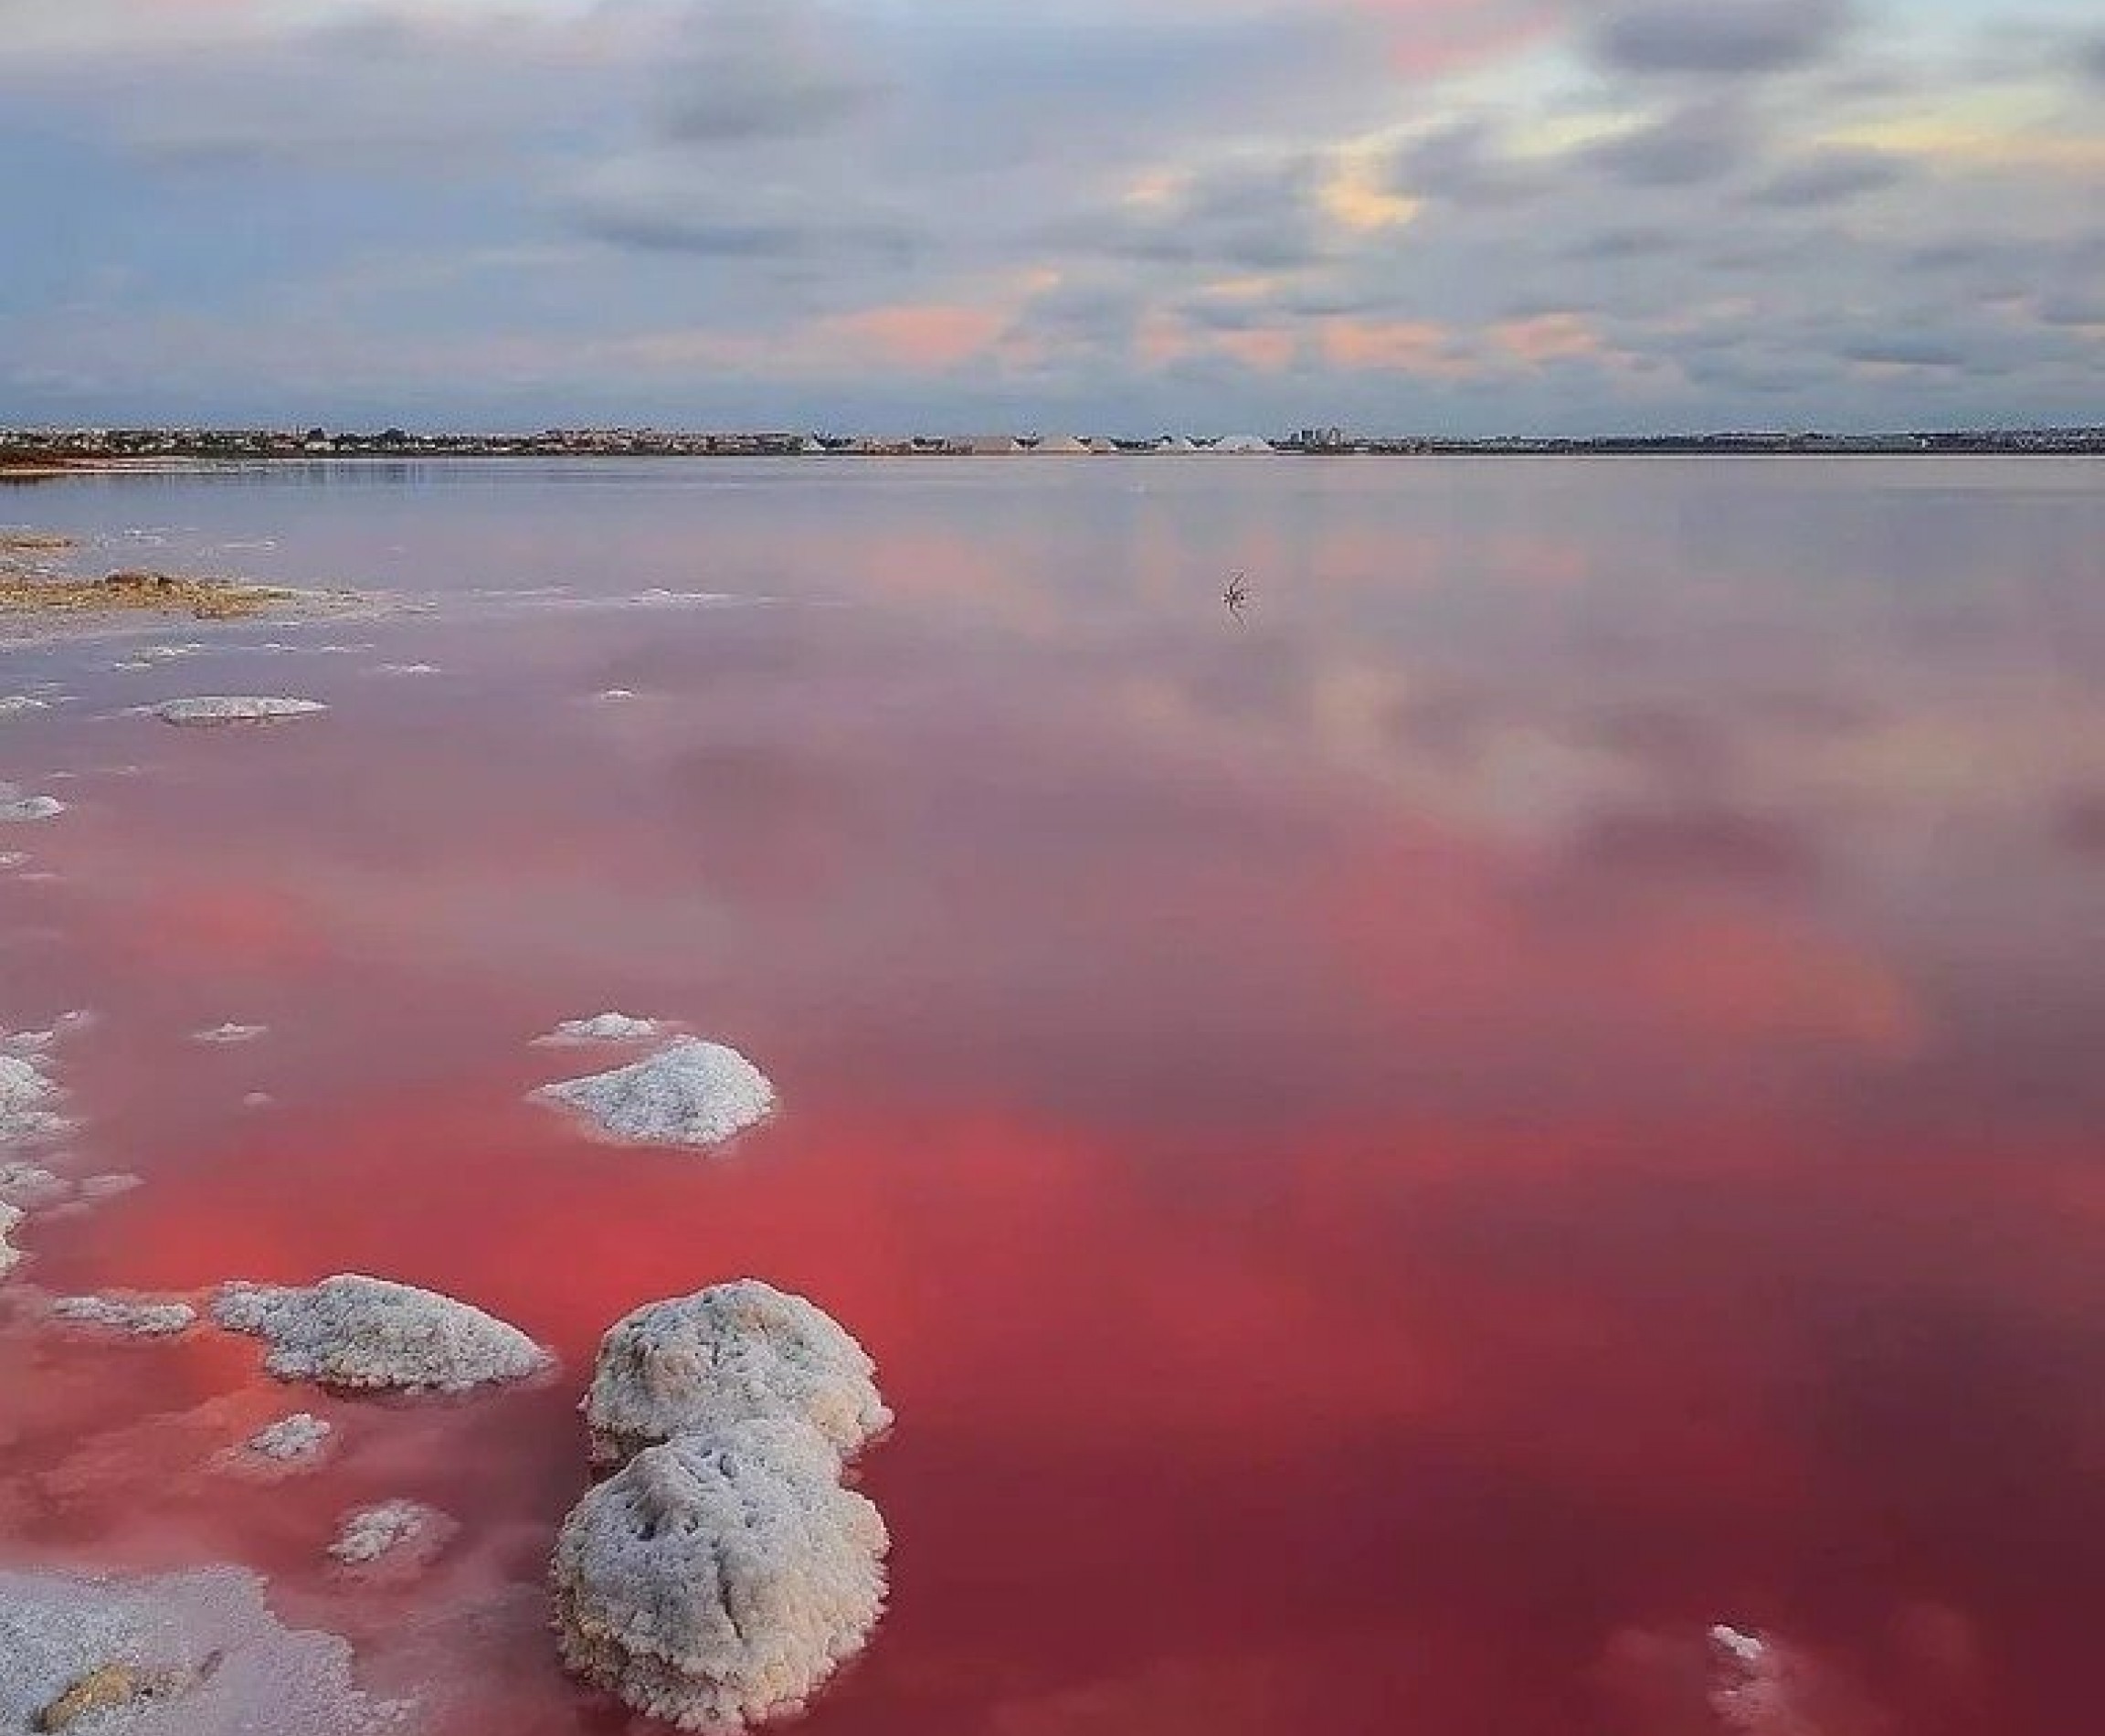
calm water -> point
(1400, 1157)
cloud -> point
(1904, 352)
(761, 69)
(1701, 142)
(1829, 177)
(1719, 37)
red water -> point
(1399, 1157)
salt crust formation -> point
(195, 1654)
(17, 809)
(10, 1256)
(605, 1027)
(729, 1354)
(720, 1579)
(396, 1533)
(224, 709)
(140, 1319)
(229, 1032)
(289, 1439)
(691, 1093)
(356, 1331)
(29, 1097)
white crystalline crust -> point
(228, 708)
(357, 1331)
(726, 1355)
(229, 1032)
(691, 1093)
(238, 1672)
(720, 1579)
(605, 1027)
(28, 808)
(407, 1529)
(9, 1256)
(140, 1319)
(289, 1439)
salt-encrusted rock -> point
(720, 1579)
(229, 1032)
(289, 1439)
(396, 1534)
(30, 1184)
(408, 669)
(357, 1331)
(729, 1354)
(225, 708)
(195, 1654)
(140, 1319)
(10, 1256)
(20, 809)
(691, 1093)
(28, 1101)
(604, 1027)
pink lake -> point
(1400, 1155)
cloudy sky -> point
(1466, 215)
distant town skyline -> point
(1455, 217)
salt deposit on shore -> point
(605, 1027)
(195, 1654)
(115, 1314)
(29, 1097)
(691, 1093)
(212, 709)
(15, 705)
(359, 1332)
(720, 1579)
(10, 1256)
(726, 1355)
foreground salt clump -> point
(720, 1579)
(195, 1654)
(229, 1032)
(356, 1331)
(28, 1099)
(691, 1093)
(17, 809)
(10, 1256)
(605, 1027)
(219, 708)
(140, 1319)
(726, 1355)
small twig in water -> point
(1237, 594)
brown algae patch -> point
(131, 592)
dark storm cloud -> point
(1829, 177)
(1701, 143)
(1719, 37)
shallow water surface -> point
(1400, 1155)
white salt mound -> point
(404, 1533)
(202, 1649)
(726, 1355)
(229, 1032)
(140, 1319)
(21, 811)
(289, 1439)
(720, 1579)
(357, 1331)
(605, 1027)
(691, 1093)
(9, 1256)
(232, 709)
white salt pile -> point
(17, 809)
(726, 1355)
(605, 1027)
(691, 1093)
(356, 1331)
(229, 1032)
(195, 1654)
(720, 1579)
(10, 1256)
(233, 709)
(396, 1534)
(28, 1101)
(289, 1439)
(140, 1319)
